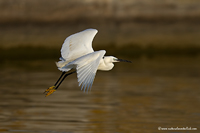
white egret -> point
(77, 53)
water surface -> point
(132, 98)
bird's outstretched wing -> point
(86, 68)
(78, 44)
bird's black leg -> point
(63, 79)
(51, 89)
(63, 73)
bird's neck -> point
(104, 66)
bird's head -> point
(110, 59)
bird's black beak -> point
(121, 60)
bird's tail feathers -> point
(60, 64)
(63, 69)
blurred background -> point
(159, 89)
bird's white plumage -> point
(86, 67)
(77, 53)
(86, 70)
(78, 44)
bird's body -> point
(77, 53)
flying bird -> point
(77, 54)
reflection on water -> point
(137, 97)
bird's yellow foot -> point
(50, 90)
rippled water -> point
(132, 98)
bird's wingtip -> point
(92, 29)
